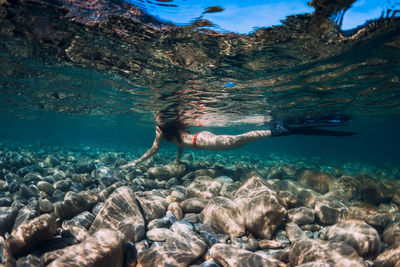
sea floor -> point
(74, 206)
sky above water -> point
(244, 16)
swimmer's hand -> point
(129, 165)
(279, 130)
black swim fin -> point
(304, 130)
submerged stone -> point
(62, 185)
(83, 219)
(30, 234)
(203, 187)
(6, 259)
(159, 234)
(223, 216)
(26, 213)
(191, 218)
(45, 205)
(13, 187)
(179, 250)
(26, 191)
(389, 257)
(51, 161)
(107, 191)
(152, 205)
(176, 209)
(182, 227)
(6, 201)
(228, 190)
(158, 223)
(247, 243)
(328, 213)
(32, 168)
(268, 244)
(121, 212)
(295, 233)
(313, 250)
(260, 208)
(166, 172)
(29, 260)
(391, 234)
(318, 181)
(194, 205)
(302, 215)
(86, 166)
(102, 249)
(32, 177)
(7, 218)
(226, 255)
(3, 185)
(361, 236)
(45, 187)
(74, 203)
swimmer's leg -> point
(179, 154)
(222, 142)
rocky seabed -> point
(77, 208)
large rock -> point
(329, 213)
(302, 215)
(193, 205)
(106, 175)
(30, 234)
(294, 233)
(203, 187)
(121, 212)
(26, 213)
(7, 218)
(85, 166)
(176, 209)
(104, 248)
(83, 219)
(223, 216)
(228, 256)
(375, 191)
(45, 187)
(178, 250)
(29, 260)
(228, 190)
(361, 236)
(6, 259)
(337, 254)
(26, 191)
(45, 205)
(105, 193)
(367, 213)
(390, 257)
(391, 234)
(152, 205)
(318, 181)
(260, 207)
(63, 185)
(74, 203)
(51, 161)
(304, 197)
(159, 234)
(344, 188)
(166, 172)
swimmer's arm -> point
(150, 152)
(178, 156)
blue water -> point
(88, 79)
(83, 83)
